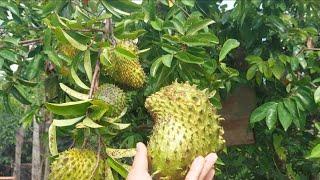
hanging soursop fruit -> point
(124, 69)
(186, 126)
(78, 164)
(112, 95)
(68, 50)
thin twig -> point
(98, 157)
(30, 41)
(307, 49)
(95, 78)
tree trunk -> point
(19, 144)
(36, 161)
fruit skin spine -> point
(124, 70)
(186, 126)
(78, 164)
(111, 95)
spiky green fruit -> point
(68, 50)
(77, 164)
(186, 126)
(114, 96)
(126, 70)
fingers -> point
(210, 175)
(140, 162)
(210, 159)
(195, 169)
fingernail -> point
(199, 159)
(138, 146)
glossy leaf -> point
(251, 72)
(317, 95)
(117, 167)
(90, 123)
(66, 122)
(52, 133)
(315, 152)
(77, 80)
(201, 39)
(73, 93)
(271, 116)
(188, 58)
(76, 108)
(285, 117)
(227, 47)
(87, 65)
(260, 113)
(73, 42)
(17, 94)
(195, 27)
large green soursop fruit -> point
(186, 126)
(77, 164)
(113, 96)
(125, 70)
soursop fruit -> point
(123, 69)
(68, 50)
(77, 164)
(114, 96)
(186, 126)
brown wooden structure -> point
(236, 110)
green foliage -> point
(274, 47)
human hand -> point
(201, 168)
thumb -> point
(140, 162)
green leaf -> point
(115, 165)
(14, 41)
(77, 80)
(230, 71)
(97, 111)
(155, 66)
(52, 133)
(317, 95)
(254, 59)
(66, 122)
(6, 103)
(201, 39)
(119, 126)
(54, 58)
(157, 24)
(188, 2)
(260, 113)
(227, 47)
(120, 153)
(27, 119)
(178, 25)
(131, 35)
(251, 72)
(284, 115)
(73, 93)
(195, 27)
(188, 58)
(72, 41)
(315, 152)
(87, 64)
(27, 83)
(1, 62)
(271, 116)
(12, 7)
(19, 96)
(9, 55)
(89, 123)
(278, 69)
(77, 108)
(125, 53)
